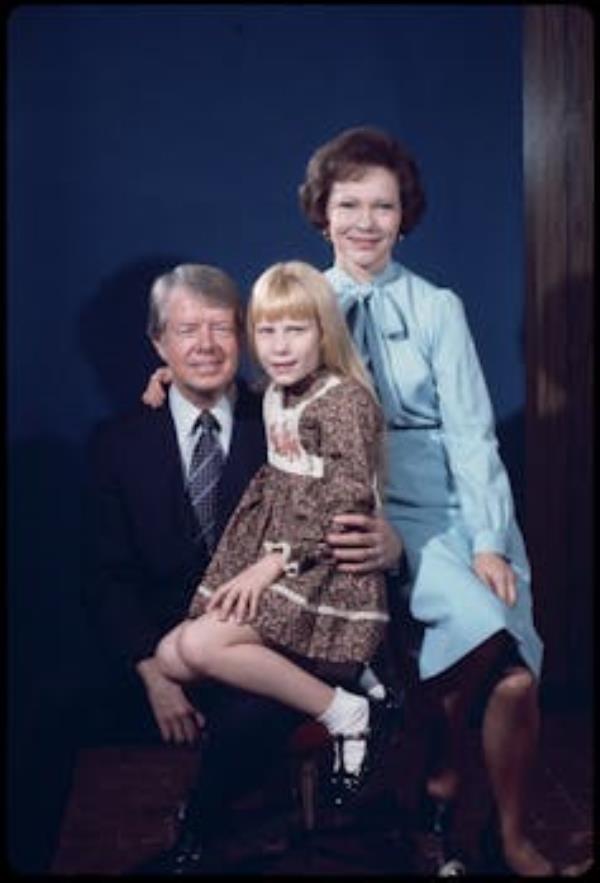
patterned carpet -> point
(121, 812)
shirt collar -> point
(341, 280)
(184, 414)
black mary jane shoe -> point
(437, 854)
(345, 785)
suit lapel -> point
(168, 476)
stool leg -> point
(308, 791)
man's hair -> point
(200, 280)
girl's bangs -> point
(273, 305)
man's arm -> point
(176, 718)
(115, 580)
(361, 543)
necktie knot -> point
(207, 422)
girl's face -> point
(364, 220)
(288, 349)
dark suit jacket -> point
(143, 566)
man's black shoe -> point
(187, 857)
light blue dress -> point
(448, 492)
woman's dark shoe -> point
(437, 854)
(346, 785)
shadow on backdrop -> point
(113, 330)
(53, 652)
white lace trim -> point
(285, 450)
(320, 609)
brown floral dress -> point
(323, 438)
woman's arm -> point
(470, 439)
(468, 429)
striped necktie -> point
(203, 480)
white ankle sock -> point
(370, 683)
(348, 714)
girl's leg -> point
(510, 731)
(235, 654)
(170, 660)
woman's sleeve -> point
(349, 427)
(468, 430)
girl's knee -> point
(167, 656)
(197, 645)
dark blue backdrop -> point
(140, 136)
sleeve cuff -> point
(290, 568)
(489, 541)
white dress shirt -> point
(185, 414)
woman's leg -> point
(510, 732)
(455, 692)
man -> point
(151, 544)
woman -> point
(448, 493)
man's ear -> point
(156, 343)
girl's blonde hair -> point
(297, 290)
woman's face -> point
(364, 220)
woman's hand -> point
(496, 572)
(155, 394)
(361, 543)
(240, 596)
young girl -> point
(272, 589)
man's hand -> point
(496, 572)
(239, 597)
(361, 543)
(176, 718)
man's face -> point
(200, 344)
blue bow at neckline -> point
(386, 312)
(375, 319)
